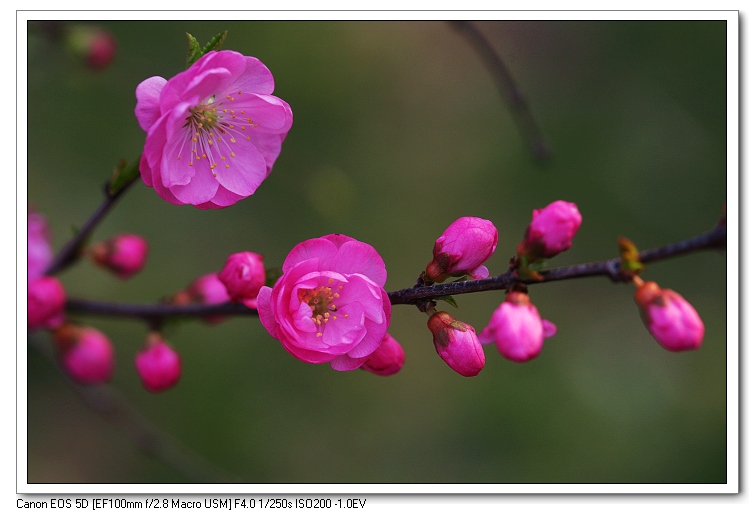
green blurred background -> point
(399, 130)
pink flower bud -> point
(124, 255)
(206, 290)
(158, 365)
(461, 250)
(551, 230)
(243, 276)
(387, 359)
(456, 342)
(46, 300)
(93, 45)
(671, 320)
(516, 328)
(39, 249)
(86, 354)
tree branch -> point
(523, 117)
(154, 314)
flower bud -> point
(551, 231)
(39, 249)
(46, 300)
(516, 328)
(124, 255)
(456, 342)
(93, 45)
(86, 354)
(671, 320)
(387, 359)
(243, 276)
(205, 290)
(158, 365)
(461, 250)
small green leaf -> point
(195, 52)
(215, 42)
(630, 256)
(449, 300)
(122, 176)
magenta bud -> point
(669, 318)
(158, 365)
(517, 329)
(551, 231)
(38, 246)
(387, 359)
(205, 290)
(92, 45)
(243, 276)
(46, 301)
(86, 354)
(462, 248)
(456, 342)
(124, 255)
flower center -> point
(322, 301)
(212, 129)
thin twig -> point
(72, 249)
(523, 117)
(611, 268)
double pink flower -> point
(213, 131)
(329, 305)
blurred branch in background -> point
(150, 440)
(523, 117)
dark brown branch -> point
(611, 268)
(71, 251)
(525, 121)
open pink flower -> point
(213, 131)
(671, 320)
(462, 248)
(38, 246)
(517, 329)
(551, 230)
(329, 305)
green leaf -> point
(196, 52)
(122, 176)
(630, 256)
(449, 300)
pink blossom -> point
(329, 305)
(158, 365)
(46, 300)
(387, 359)
(213, 131)
(124, 255)
(38, 246)
(671, 320)
(457, 344)
(461, 250)
(86, 354)
(551, 230)
(243, 275)
(516, 328)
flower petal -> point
(255, 79)
(148, 101)
(243, 170)
(357, 257)
(318, 248)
